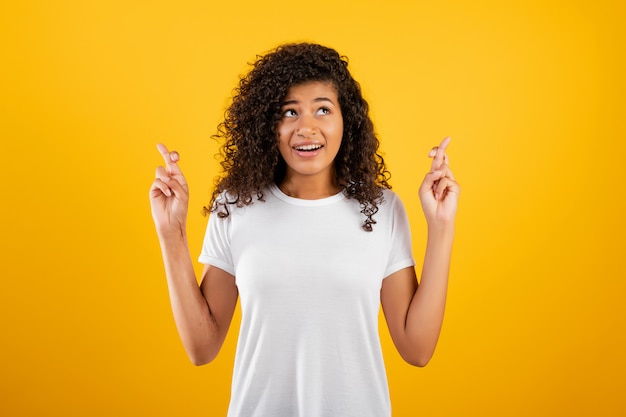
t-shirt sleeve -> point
(401, 248)
(216, 248)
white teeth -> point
(308, 147)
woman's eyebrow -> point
(323, 99)
(317, 100)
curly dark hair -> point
(250, 157)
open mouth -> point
(308, 148)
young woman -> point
(306, 231)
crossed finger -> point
(171, 159)
(172, 169)
(444, 171)
(438, 153)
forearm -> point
(196, 327)
(426, 311)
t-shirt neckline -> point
(305, 203)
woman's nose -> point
(307, 127)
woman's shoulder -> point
(234, 202)
(244, 197)
(390, 197)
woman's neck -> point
(308, 188)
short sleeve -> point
(216, 248)
(401, 248)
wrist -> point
(443, 230)
(172, 235)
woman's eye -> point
(323, 110)
(290, 113)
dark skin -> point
(414, 313)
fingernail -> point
(174, 156)
(432, 153)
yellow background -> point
(532, 92)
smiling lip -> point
(308, 150)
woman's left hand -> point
(439, 192)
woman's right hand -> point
(169, 196)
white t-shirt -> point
(309, 280)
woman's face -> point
(310, 130)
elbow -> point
(198, 361)
(420, 362)
(199, 358)
(417, 360)
(201, 351)
(418, 351)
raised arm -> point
(202, 313)
(414, 313)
